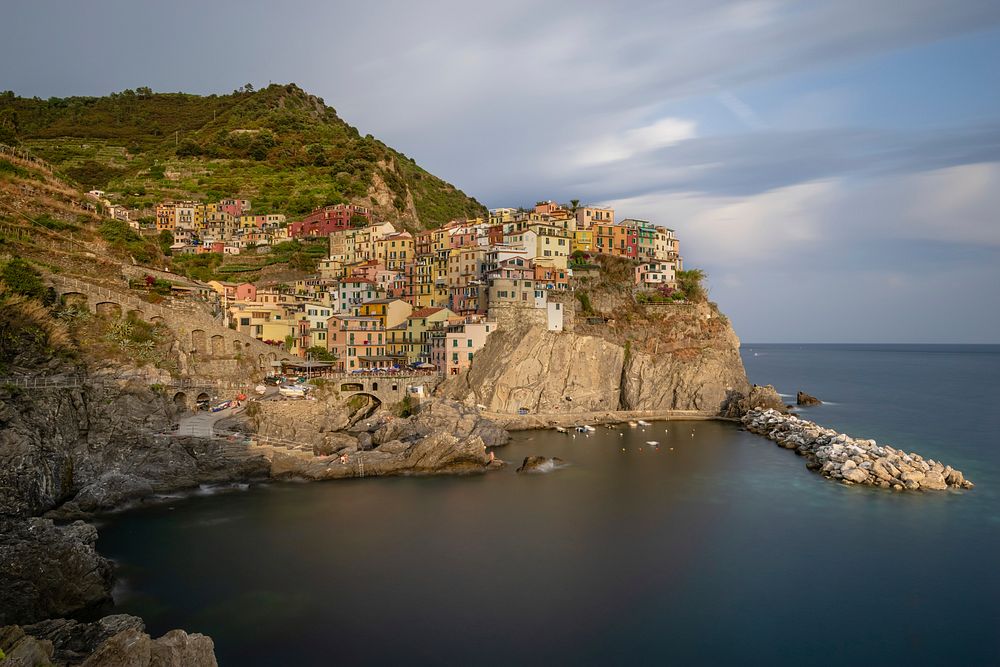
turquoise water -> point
(714, 547)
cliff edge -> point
(652, 358)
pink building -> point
(454, 345)
(246, 292)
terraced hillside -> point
(280, 147)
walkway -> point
(202, 423)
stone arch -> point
(218, 345)
(261, 361)
(198, 343)
(156, 319)
(237, 346)
(108, 309)
(75, 299)
(203, 396)
(180, 401)
(135, 313)
(374, 386)
(271, 356)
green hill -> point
(280, 147)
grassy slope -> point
(280, 147)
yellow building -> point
(583, 240)
(394, 251)
(390, 312)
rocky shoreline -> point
(853, 461)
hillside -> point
(280, 147)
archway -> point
(237, 347)
(198, 341)
(180, 401)
(218, 346)
(108, 309)
(75, 299)
(374, 386)
(261, 361)
(156, 319)
(135, 313)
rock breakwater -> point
(850, 460)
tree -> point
(166, 240)
(574, 204)
(690, 282)
(289, 342)
(317, 353)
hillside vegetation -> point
(280, 147)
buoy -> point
(623, 449)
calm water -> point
(717, 547)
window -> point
(470, 343)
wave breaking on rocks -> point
(853, 461)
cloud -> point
(623, 145)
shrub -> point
(690, 282)
(21, 278)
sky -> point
(833, 166)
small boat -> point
(633, 424)
(222, 406)
(580, 429)
(260, 389)
(588, 427)
(560, 429)
(655, 443)
(644, 423)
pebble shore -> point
(853, 461)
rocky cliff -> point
(94, 447)
(675, 357)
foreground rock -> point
(461, 421)
(802, 398)
(536, 464)
(113, 641)
(48, 570)
(840, 457)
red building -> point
(329, 219)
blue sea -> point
(711, 547)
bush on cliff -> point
(21, 278)
(28, 330)
(690, 282)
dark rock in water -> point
(802, 398)
(540, 464)
(48, 570)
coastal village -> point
(385, 298)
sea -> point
(680, 543)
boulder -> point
(536, 464)
(934, 481)
(133, 648)
(442, 415)
(856, 475)
(74, 641)
(802, 398)
(50, 570)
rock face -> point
(537, 370)
(840, 457)
(96, 446)
(683, 358)
(802, 398)
(113, 641)
(437, 453)
(757, 398)
(48, 570)
(538, 464)
(461, 421)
